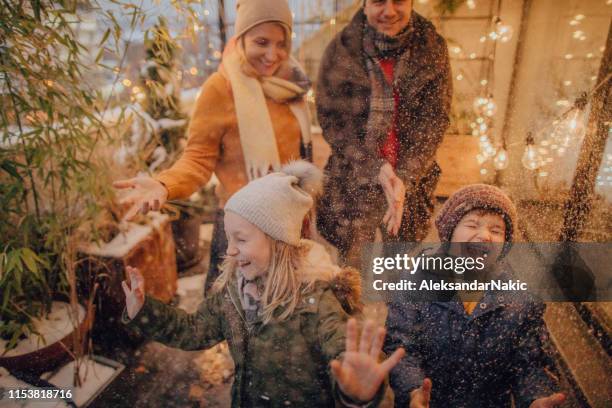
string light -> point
(485, 106)
(500, 162)
(530, 156)
(502, 32)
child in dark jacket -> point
(279, 305)
(473, 353)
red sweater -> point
(390, 148)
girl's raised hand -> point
(134, 293)
(360, 374)
(143, 194)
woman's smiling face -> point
(265, 47)
(248, 245)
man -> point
(383, 101)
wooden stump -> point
(150, 248)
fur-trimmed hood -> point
(344, 282)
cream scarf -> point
(257, 136)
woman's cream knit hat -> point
(250, 13)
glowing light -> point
(126, 82)
(485, 106)
(471, 4)
(504, 32)
(500, 162)
(530, 158)
(567, 83)
(193, 71)
(332, 21)
(459, 77)
(569, 56)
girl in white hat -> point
(280, 303)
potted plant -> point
(49, 183)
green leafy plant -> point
(49, 182)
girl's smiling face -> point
(265, 47)
(248, 245)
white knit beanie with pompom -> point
(277, 203)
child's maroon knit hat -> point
(473, 197)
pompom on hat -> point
(475, 197)
(278, 202)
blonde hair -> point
(283, 289)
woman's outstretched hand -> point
(360, 374)
(134, 292)
(143, 194)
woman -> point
(249, 118)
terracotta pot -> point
(186, 233)
(46, 357)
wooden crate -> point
(150, 248)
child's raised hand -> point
(551, 401)
(420, 397)
(360, 374)
(134, 293)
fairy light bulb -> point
(504, 32)
(500, 162)
(575, 123)
(501, 32)
(485, 106)
(486, 148)
(530, 156)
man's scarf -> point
(379, 46)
